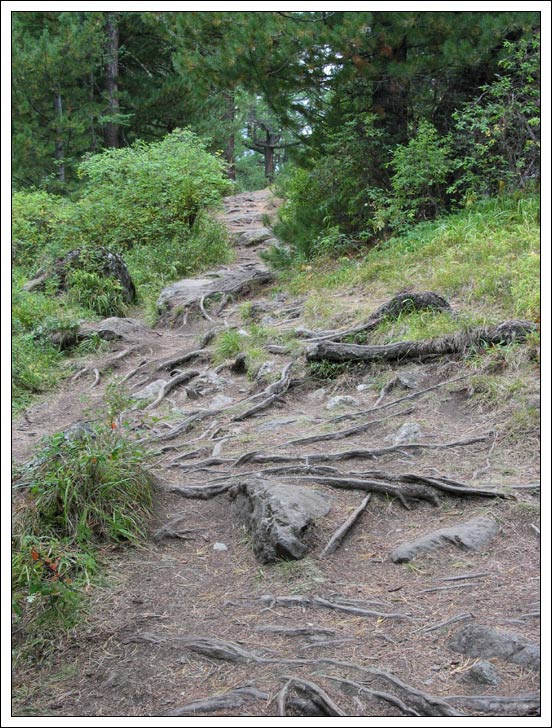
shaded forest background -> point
(378, 118)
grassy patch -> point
(487, 254)
(84, 490)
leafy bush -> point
(148, 193)
(37, 219)
(497, 137)
(421, 170)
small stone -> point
(244, 333)
(362, 387)
(218, 546)
(409, 432)
(266, 368)
(407, 380)
(318, 394)
(221, 400)
(483, 672)
(152, 390)
(276, 424)
(341, 401)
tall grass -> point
(487, 255)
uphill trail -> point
(417, 590)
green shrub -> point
(148, 193)
(83, 489)
(90, 487)
(421, 170)
(497, 137)
(99, 293)
(37, 219)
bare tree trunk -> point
(229, 117)
(269, 162)
(93, 137)
(111, 129)
(58, 151)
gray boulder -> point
(151, 390)
(102, 260)
(476, 640)
(483, 672)
(278, 516)
(188, 292)
(114, 328)
(341, 400)
(471, 535)
(254, 237)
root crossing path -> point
(388, 458)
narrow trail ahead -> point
(193, 616)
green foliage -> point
(421, 170)
(148, 194)
(83, 489)
(497, 137)
(487, 253)
(36, 221)
(228, 345)
(34, 368)
(100, 294)
(90, 487)
(323, 371)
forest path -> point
(146, 649)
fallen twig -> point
(462, 577)
(344, 529)
(452, 620)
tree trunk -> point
(269, 162)
(111, 128)
(229, 118)
(391, 95)
(58, 151)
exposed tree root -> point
(232, 699)
(96, 381)
(306, 631)
(406, 398)
(263, 457)
(173, 529)
(341, 434)
(452, 620)
(409, 486)
(420, 702)
(508, 705)
(202, 492)
(344, 529)
(315, 601)
(182, 359)
(390, 309)
(458, 343)
(312, 692)
(378, 694)
(181, 378)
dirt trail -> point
(134, 654)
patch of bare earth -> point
(136, 651)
